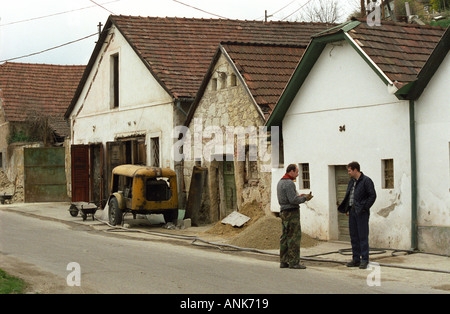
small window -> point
(155, 157)
(115, 81)
(388, 173)
(233, 80)
(214, 84)
(304, 182)
(223, 80)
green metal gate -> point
(44, 175)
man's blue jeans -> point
(359, 235)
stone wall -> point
(225, 104)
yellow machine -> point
(142, 190)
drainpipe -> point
(412, 137)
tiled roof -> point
(179, 50)
(266, 69)
(399, 50)
(44, 89)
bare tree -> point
(322, 11)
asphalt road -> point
(114, 264)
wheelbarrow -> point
(85, 209)
(4, 197)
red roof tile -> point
(179, 50)
(400, 50)
(266, 69)
(30, 89)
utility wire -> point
(199, 9)
(102, 7)
(54, 14)
(42, 51)
(284, 7)
(296, 10)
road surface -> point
(115, 264)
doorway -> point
(341, 178)
(229, 187)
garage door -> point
(44, 175)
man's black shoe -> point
(284, 265)
(353, 264)
(363, 265)
(298, 266)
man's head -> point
(292, 170)
(354, 170)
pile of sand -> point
(260, 232)
(6, 186)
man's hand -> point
(307, 196)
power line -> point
(102, 7)
(199, 9)
(54, 14)
(296, 10)
(284, 7)
(48, 49)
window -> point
(223, 80)
(115, 81)
(304, 182)
(155, 158)
(388, 173)
(233, 80)
(214, 84)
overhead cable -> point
(45, 50)
(199, 9)
(54, 14)
(102, 7)
(296, 10)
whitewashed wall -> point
(433, 154)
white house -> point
(356, 96)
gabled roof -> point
(397, 53)
(46, 89)
(178, 51)
(264, 70)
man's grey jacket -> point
(287, 195)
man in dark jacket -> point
(359, 197)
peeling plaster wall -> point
(433, 162)
(343, 90)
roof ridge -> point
(248, 43)
(218, 19)
(43, 64)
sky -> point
(31, 26)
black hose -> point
(228, 247)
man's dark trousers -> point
(359, 235)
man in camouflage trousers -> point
(289, 202)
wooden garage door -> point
(342, 179)
(80, 173)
